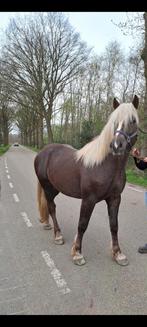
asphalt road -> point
(38, 277)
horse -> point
(92, 173)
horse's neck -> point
(120, 161)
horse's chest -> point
(118, 182)
(104, 185)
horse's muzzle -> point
(117, 149)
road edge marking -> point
(135, 189)
(26, 219)
(56, 274)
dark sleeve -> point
(140, 164)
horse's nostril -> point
(120, 145)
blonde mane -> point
(97, 150)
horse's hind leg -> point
(50, 193)
(57, 231)
(113, 207)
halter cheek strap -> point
(127, 136)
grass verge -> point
(3, 149)
(138, 178)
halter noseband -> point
(128, 137)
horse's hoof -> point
(47, 226)
(121, 259)
(79, 260)
(59, 240)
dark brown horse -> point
(94, 173)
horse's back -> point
(45, 156)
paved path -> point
(38, 277)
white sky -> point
(96, 28)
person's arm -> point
(140, 164)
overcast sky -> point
(96, 28)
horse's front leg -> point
(87, 207)
(113, 207)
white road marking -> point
(135, 189)
(4, 278)
(16, 198)
(8, 176)
(7, 171)
(17, 313)
(26, 219)
(15, 299)
(12, 288)
(11, 185)
(61, 283)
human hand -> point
(135, 152)
(145, 159)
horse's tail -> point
(42, 204)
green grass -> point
(3, 149)
(33, 148)
(138, 178)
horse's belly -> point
(70, 188)
(65, 181)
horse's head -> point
(125, 121)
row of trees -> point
(54, 88)
(39, 58)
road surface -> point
(38, 277)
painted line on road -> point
(7, 171)
(16, 198)
(26, 219)
(61, 283)
(5, 163)
(8, 176)
(135, 189)
(14, 299)
(11, 185)
(13, 287)
(17, 313)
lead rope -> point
(141, 130)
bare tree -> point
(43, 54)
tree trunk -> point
(33, 136)
(24, 138)
(5, 132)
(6, 137)
(40, 133)
(49, 132)
(48, 123)
(1, 137)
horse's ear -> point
(135, 101)
(115, 103)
